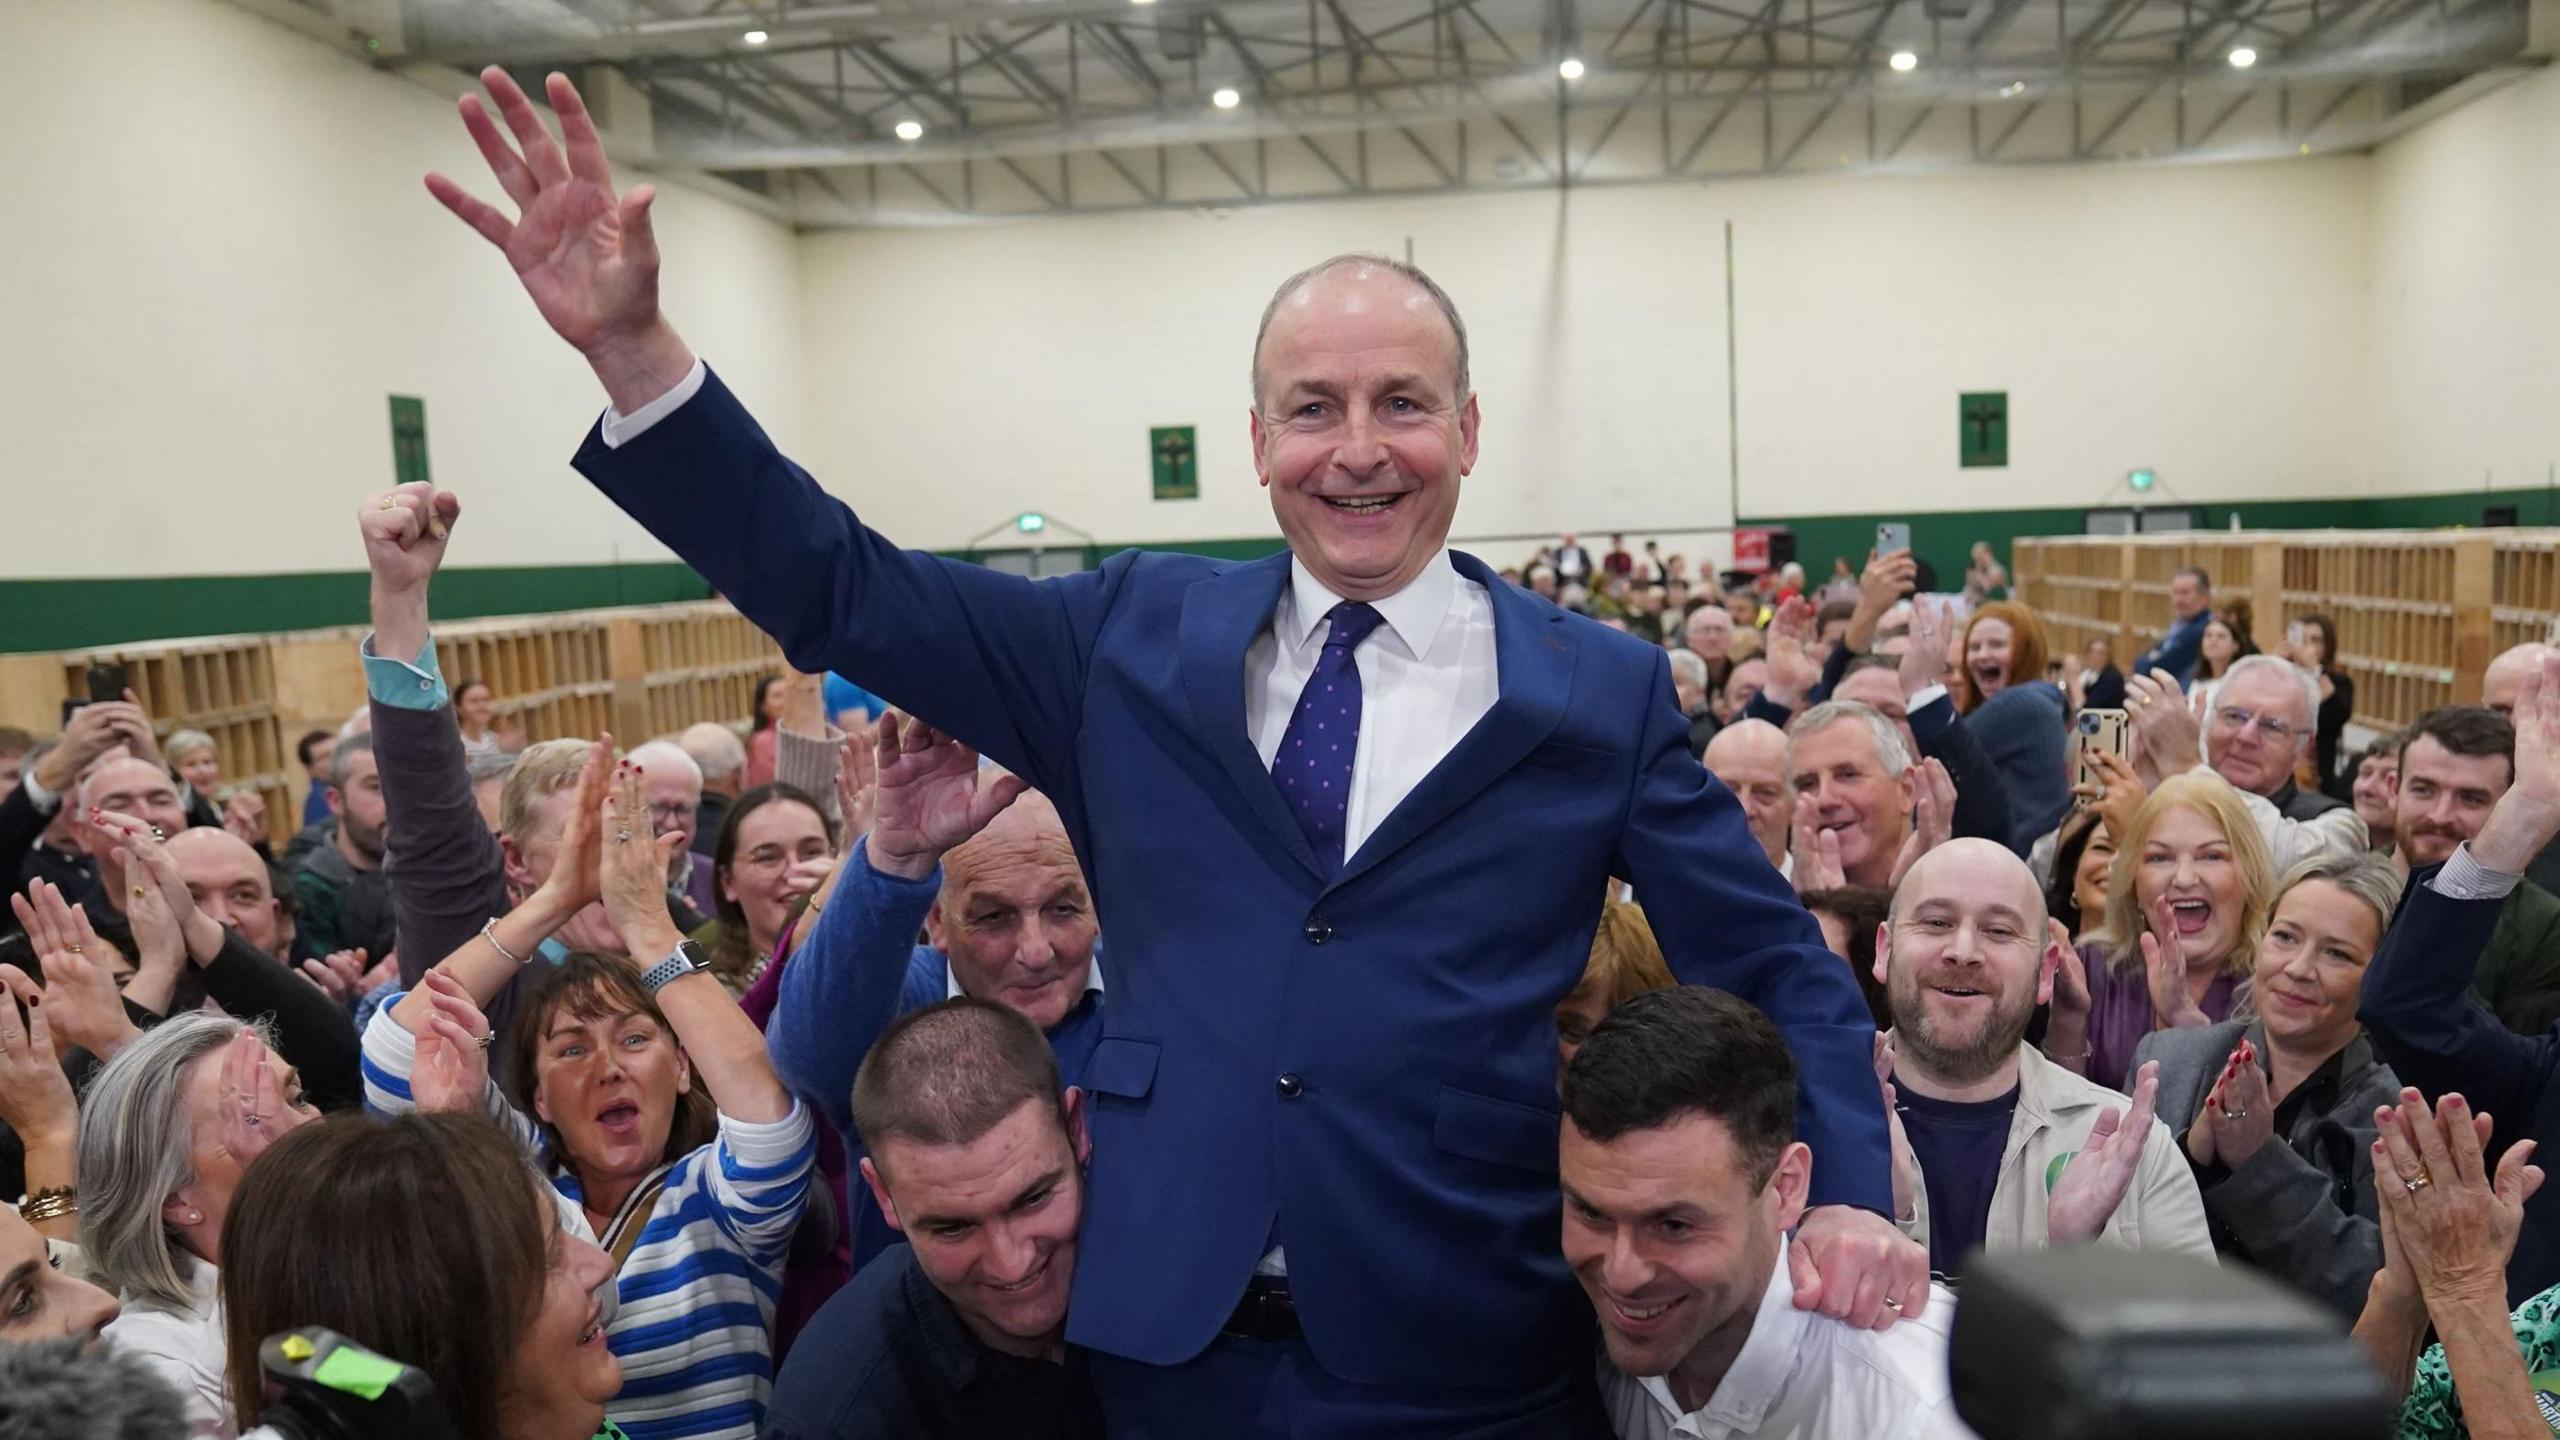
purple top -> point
(2120, 1014)
(808, 1280)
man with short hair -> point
(984, 868)
(977, 1156)
(1859, 798)
(1693, 693)
(1742, 685)
(2455, 764)
(722, 757)
(1830, 625)
(1708, 632)
(1573, 562)
(231, 882)
(2008, 1150)
(313, 751)
(2191, 600)
(1682, 1176)
(2498, 689)
(1618, 561)
(673, 784)
(2260, 726)
(339, 888)
(34, 805)
(1750, 757)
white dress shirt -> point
(1802, 1376)
(183, 1346)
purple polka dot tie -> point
(1313, 767)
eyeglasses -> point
(672, 814)
(2235, 719)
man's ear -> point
(1470, 424)
(1883, 966)
(933, 929)
(1789, 1184)
(2057, 941)
(1261, 458)
(1078, 1136)
(880, 1194)
(512, 863)
(337, 800)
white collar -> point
(1414, 612)
(1757, 1380)
(1092, 977)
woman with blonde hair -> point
(1626, 961)
(2187, 903)
(2017, 715)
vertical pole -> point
(1732, 392)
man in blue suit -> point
(1347, 815)
(2191, 602)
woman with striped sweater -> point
(647, 1096)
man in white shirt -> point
(1682, 1176)
(2259, 726)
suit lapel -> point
(1221, 617)
(1534, 661)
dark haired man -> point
(2191, 599)
(977, 1156)
(2455, 763)
(1682, 1176)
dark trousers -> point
(1274, 1390)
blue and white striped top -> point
(693, 1322)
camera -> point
(2088, 723)
(322, 1386)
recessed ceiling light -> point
(2243, 57)
(1904, 61)
(755, 37)
(910, 130)
(1570, 68)
(1226, 98)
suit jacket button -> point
(1318, 931)
(1291, 1087)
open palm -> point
(930, 795)
(586, 256)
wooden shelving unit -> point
(2419, 613)
(640, 671)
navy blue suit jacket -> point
(1361, 1062)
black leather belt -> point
(1266, 1312)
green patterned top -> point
(2434, 1412)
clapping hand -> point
(35, 1096)
(2096, 1179)
(2165, 725)
(930, 797)
(450, 1073)
(1933, 810)
(81, 1004)
(633, 868)
(1906, 1164)
(253, 1100)
(2238, 1114)
(339, 975)
(1792, 671)
(573, 880)
(857, 788)
(2164, 967)
(2453, 1222)
(245, 815)
(1817, 854)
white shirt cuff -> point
(44, 800)
(1923, 696)
(2464, 878)
(620, 429)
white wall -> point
(2208, 322)
(218, 261)
(2466, 328)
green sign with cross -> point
(408, 439)
(1175, 452)
(1982, 428)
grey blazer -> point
(2302, 1208)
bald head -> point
(231, 883)
(1750, 757)
(1966, 954)
(2504, 679)
(1013, 916)
(1357, 286)
(1970, 868)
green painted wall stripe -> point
(40, 615)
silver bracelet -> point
(489, 932)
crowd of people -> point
(1760, 970)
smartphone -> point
(2098, 729)
(106, 682)
(2293, 634)
(1891, 536)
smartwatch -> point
(684, 960)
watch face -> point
(693, 956)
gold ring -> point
(139, 892)
(1893, 1305)
(75, 949)
(2422, 1182)
(387, 502)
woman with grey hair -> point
(198, 766)
(167, 1129)
(2276, 1104)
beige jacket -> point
(2162, 1210)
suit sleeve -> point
(2285, 1211)
(1725, 918)
(2420, 1011)
(997, 660)
(1982, 797)
(842, 987)
(447, 876)
(21, 825)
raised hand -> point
(2071, 998)
(2096, 1179)
(2165, 725)
(253, 1101)
(586, 256)
(2239, 1113)
(931, 798)
(2121, 794)
(2528, 815)
(92, 731)
(450, 1072)
(633, 867)
(1792, 671)
(574, 878)
(1933, 811)
(2164, 968)
(857, 788)
(2457, 1223)
(35, 1096)
(1924, 661)
(153, 890)
(405, 531)
(245, 815)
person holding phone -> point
(2313, 643)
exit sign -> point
(1982, 428)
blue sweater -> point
(860, 969)
(2023, 734)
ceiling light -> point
(1904, 61)
(1142, 2)
(910, 130)
(2014, 88)
(755, 37)
(2243, 57)
(1570, 69)
(1226, 98)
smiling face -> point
(131, 787)
(1013, 915)
(1965, 960)
(564, 1366)
(1836, 772)
(606, 1078)
(2089, 880)
(2442, 799)
(230, 883)
(771, 839)
(1986, 655)
(2219, 646)
(2310, 970)
(1674, 1236)
(201, 769)
(2376, 795)
(1360, 433)
(1709, 632)
(2190, 863)
(993, 1221)
(474, 706)
(38, 1301)
(2252, 756)
(1750, 757)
